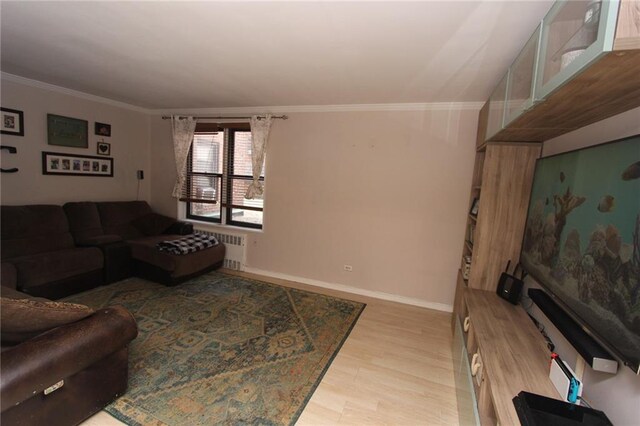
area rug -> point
(221, 349)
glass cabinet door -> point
(522, 78)
(574, 34)
(495, 121)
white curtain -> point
(259, 135)
(183, 129)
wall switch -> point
(140, 174)
(348, 268)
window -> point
(219, 169)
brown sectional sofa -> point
(55, 251)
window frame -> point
(227, 177)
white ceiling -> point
(163, 55)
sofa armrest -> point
(34, 365)
(179, 228)
(8, 275)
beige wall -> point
(616, 395)
(385, 192)
(129, 148)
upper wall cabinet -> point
(579, 66)
(522, 79)
(574, 34)
(496, 107)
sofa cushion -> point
(33, 229)
(153, 224)
(99, 240)
(21, 319)
(116, 217)
(144, 249)
(84, 220)
(43, 268)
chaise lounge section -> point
(134, 225)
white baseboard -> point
(354, 290)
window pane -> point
(246, 216)
(206, 211)
(239, 188)
(207, 188)
(207, 153)
(242, 155)
(206, 157)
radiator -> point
(235, 244)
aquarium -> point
(582, 240)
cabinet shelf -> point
(462, 279)
(473, 218)
(469, 245)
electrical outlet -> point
(348, 268)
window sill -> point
(221, 227)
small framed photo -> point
(104, 148)
(474, 207)
(12, 122)
(58, 163)
(102, 129)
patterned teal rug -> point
(221, 349)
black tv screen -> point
(582, 240)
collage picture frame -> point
(63, 164)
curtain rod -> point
(281, 117)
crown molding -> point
(430, 106)
(63, 90)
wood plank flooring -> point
(394, 369)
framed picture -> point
(474, 207)
(58, 163)
(102, 129)
(12, 122)
(66, 131)
(104, 148)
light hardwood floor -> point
(394, 369)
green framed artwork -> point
(67, 131)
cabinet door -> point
(522, 79)
(574, 34)
(495, 121)
(467, 406)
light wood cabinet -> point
(574, 35)
(509, 355)
(585, 70)
(502, 183)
